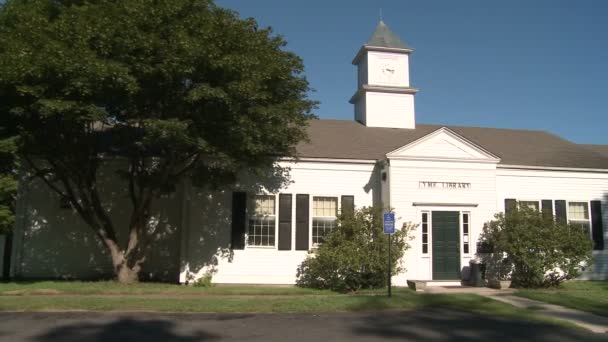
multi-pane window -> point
(534, 205)
(578, 213)
(262, 218)
(425, 233)
(466, 230)
(324, 212)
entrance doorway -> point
(446, 245)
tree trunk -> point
(127, 275)
(125, 271)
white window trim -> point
(462, 253)
(588, 212)
(311, 215)
(276, 223)
(429, 234)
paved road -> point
(436, 325)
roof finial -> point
(380, 13)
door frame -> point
(428, 257)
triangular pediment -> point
(443, 144)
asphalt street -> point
(436, 325)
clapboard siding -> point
(598, 269)
(208, 229)
(2, 243)
(389, 110)
(53, 242)
(406, 190)
(562, 185)
(376, 61)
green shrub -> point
(535, 250)
(204, 281)
(355, 255)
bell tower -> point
(384, 97)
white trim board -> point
(443, 145)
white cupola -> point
(384, 97)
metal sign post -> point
(389, 228)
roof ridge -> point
(349, 139)
(384, 37)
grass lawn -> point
(114, 288)
(110, 296)
(590, 296)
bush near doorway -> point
(534, 250)
(355, 255)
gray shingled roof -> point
(384, 37)
(601, 149)
(346, 139)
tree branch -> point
(41, 174)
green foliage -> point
(205, 281)
(8, 180)
(178, 88)
(537, 251)
(355, 255)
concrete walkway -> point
(595, 323)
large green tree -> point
(8, 179)
(171, 88)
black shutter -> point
(597, 226)
(302, 219)
(547, 208)
(285, 222)
(239, 219)
(560, 212)
(348, 204)
(510, 206)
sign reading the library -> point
(389, 223)
(443, 185)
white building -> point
(449, 180)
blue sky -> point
(539, 64)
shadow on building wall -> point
(55, 243)
(190, 230)
(208, 220)
(374, 184)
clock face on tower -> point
(389, 72)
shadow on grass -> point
(461, 317)
(126, 329)
(451, 325)
(589, 296)
(580, 302)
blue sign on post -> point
(389, 223)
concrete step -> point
(421, 285)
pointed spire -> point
(384, 37)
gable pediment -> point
(443, 144)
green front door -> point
(446, 245)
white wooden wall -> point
(559, 185)
(376, 60)
(406, 190)
(262, 265)
(389, 110)
(51, 242)
(2, 241)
